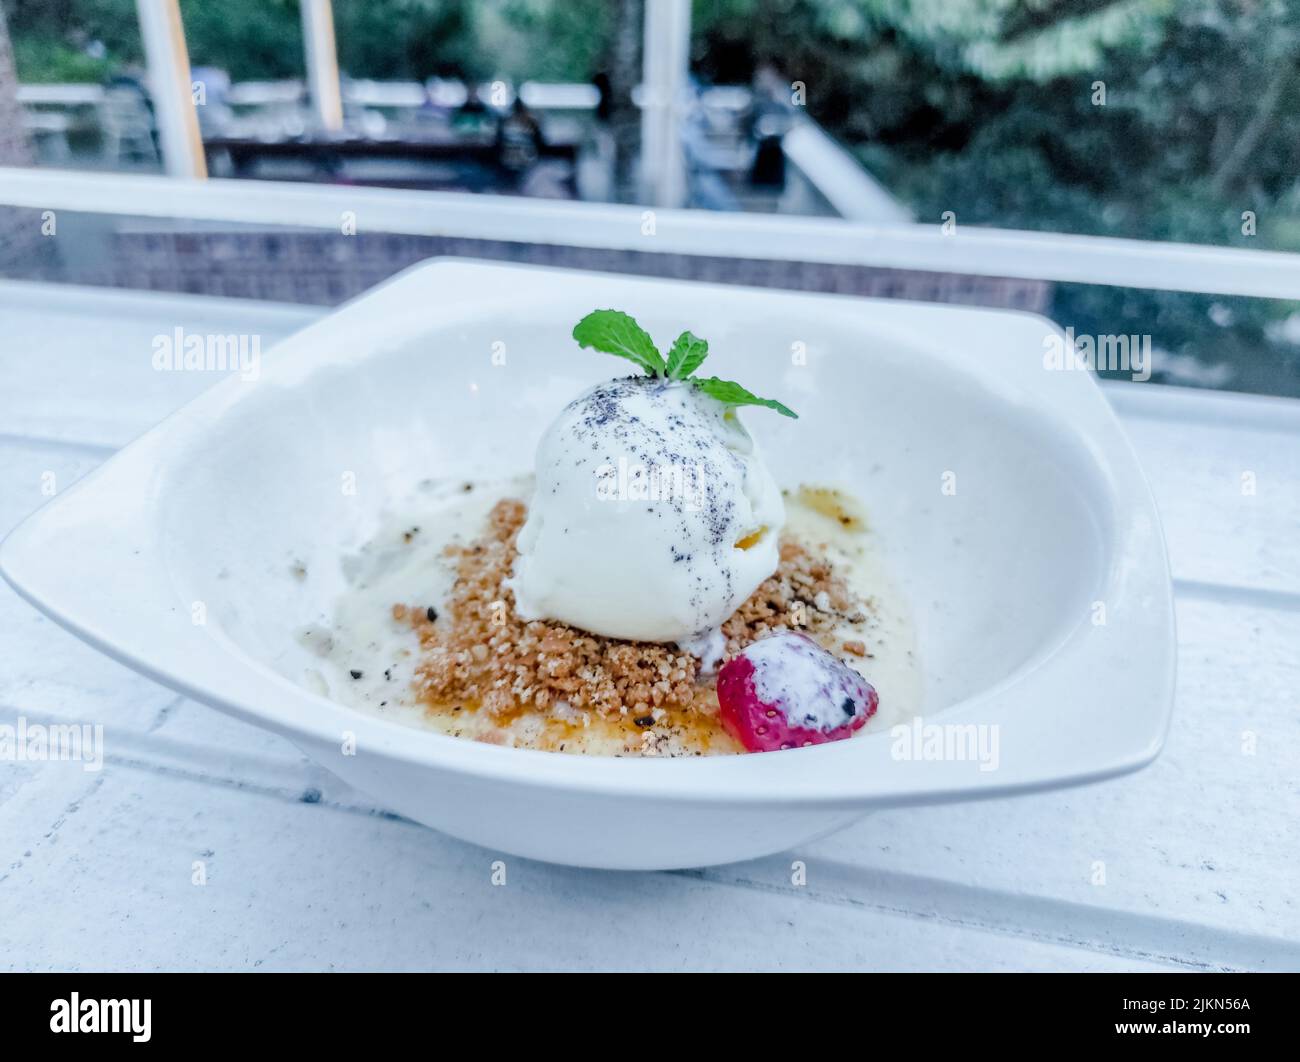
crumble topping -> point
(477, 653)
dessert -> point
(653, 517)
(648, 591)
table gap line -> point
(1235, 594)
(1029, 916)
(52, 442)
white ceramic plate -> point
(1040, 587)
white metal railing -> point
(265, 93)
(966, 250)
(65, 94)
(849, 188)
(541, 95)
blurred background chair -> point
(127, 125)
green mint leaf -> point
(732, 394)
(687, 355)
(614, 332)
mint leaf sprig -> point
(614, 332)
(732, 394)
(687, 355)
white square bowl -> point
(1011, 507)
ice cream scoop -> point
(653, 516)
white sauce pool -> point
(367, 659)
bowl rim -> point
(72, 557)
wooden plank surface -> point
(1187, 865)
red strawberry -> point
(785, 691)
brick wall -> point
(323, 268)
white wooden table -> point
(1191, 864)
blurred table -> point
(1187, 865)
(327, 154)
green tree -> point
(519, 39)
(992, 109)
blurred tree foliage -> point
(550, 39)
(988, 108)
(991, 109)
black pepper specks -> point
(606, 426)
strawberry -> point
(785, 691)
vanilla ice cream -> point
(653, 517)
